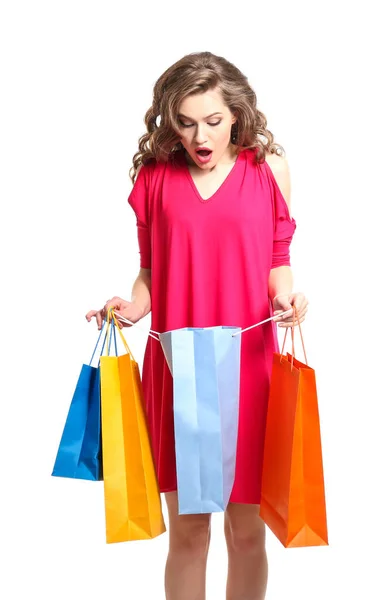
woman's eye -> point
(192, 125)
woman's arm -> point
(138, 307)
(280, 281)
(280, 278)
(141, 291)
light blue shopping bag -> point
(205, 365)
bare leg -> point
(185, 577)
(248, 566)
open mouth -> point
(204, 155)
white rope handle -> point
(261, 322)
(151, 331)
(123, 319)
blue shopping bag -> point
(205, 365)
(79, 454)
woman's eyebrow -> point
(208, 117)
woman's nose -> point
(200, 137)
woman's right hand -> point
(129, 310)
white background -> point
(76, 80)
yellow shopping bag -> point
(133, 508)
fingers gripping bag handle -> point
(295, 316)
(112, 326)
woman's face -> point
(205, 122)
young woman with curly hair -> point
(212, 199)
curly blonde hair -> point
(197, 73)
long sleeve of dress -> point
(139, 201)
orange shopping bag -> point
(132, 499)
(293, 494)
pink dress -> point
(211, 261)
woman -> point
(212, 199)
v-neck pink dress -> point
(210, 262)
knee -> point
(244, 540)
(190, 536)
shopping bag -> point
(205, 366)
(79, 452)
(133, 508)
(293, 493)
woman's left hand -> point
(287, 302)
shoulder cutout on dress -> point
(278, 172)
